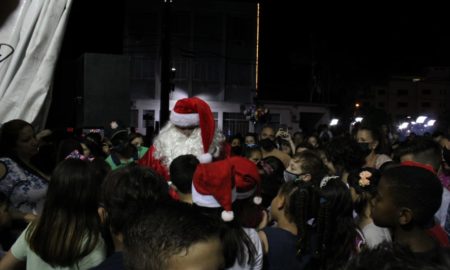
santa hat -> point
(247, 179)
(193, 111)
(213, 187)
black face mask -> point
(236, 150)
(446, 155)
(267, 144)
(365, 148)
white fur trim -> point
(184, 120)
(205, 158)
(208, 200)
(227, 215)
(257, 200)
(245, 195)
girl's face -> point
(250, 140)
(276, 206)
(26, 144)
(384, 211)
(255, 157)
(365, 136)
(235, 142)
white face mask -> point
(288, 176)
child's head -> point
(250, 139)
(127, 190)
(407, 195)
(423, 150)
(174, 237)
(305, 166)
(335, 226)
(254, 154)
(182, 170)
(363, 187)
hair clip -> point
(364, 180)
(76, 155)
(325, 180)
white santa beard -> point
(171, 143)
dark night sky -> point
(357, 44)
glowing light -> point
(357, 105)
(404, 125)
(174, 69)
(431, 122)
(257, 50)
(421, 119)
(359, 119)
(416, 79)
(334, 122)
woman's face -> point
(365, 136)
(26, 144)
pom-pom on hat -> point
(213, 187)
(190, 112)
(247, 179)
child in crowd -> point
(315, 228)
(253, 153)
(286, 246)
(363, 187)
(67, 234)
(212, 194)
(182, 170)
(125, 193)
(174, 237)
(271, 170)
(305, 166)
(407, 199)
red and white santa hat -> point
(213, 187)
(247, 179)
(190, 112)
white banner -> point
(31, 33)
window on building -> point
(234, 123)
(402, 92)
(426, 104)
(402, 104)
(426, 91)
(149, 118)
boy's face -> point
(206, 255)
(384, 210)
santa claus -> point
(191, 130)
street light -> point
(334, 122)
(421, 119)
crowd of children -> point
(272, 201)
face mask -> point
(365, 148)
(446, 155)
(236, 150)
(288, 176)
(267, 144)
(251, 145)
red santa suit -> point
(204, 142)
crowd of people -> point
(194, 199)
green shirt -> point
(21, 251)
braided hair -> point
(335, 226)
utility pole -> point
(165, 61)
